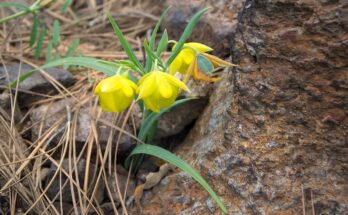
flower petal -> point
(110, 84)
(198, 75)
(188, 55)
(128, 91)
(97, 89)
(107, 102)
(176, 82)
(199, 47)
(165, 89)
(131, 84)
(147, 87)
(217, 62)
(176, 64)
(148, 103)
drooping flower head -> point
(193, 60)
(115, 93)
(159, 90)
(186, 56)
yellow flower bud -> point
(159, 90)
(115, 93)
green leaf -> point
(126, 64)
(204, 64)
(149, 62)
(125, 45)
(162, 45)
(155, 30)
(49, 52)
(22, 78)
(65, 6)
(72, 47)
(148, 127)
(151, 56)
(55, 34)
(91, 63)
(16, 5)
(87, 62)
(173, 159)
(32, 9)
(40, 42)
(187, 32)
(34, 30)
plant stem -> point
(32, 9)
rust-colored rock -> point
(273, 138)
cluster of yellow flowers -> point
(157, 89)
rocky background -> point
(273, 137)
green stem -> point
(32, 9)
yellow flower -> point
(115, 93)
(196, 72)
(186, 56)
(159, 90)
(186, 62)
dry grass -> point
(23, 161)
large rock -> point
(36, 83)
(273, 139)
(54, 116)
(216, 28)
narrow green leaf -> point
(125, 45)
(55, 34)
(25, 10)
(187, 32)
(149, 61)
(163, 43)
(155, 30)
(22, 77)
(87, 62)
(204, 64)
(49, 52)
(40, 42)
(74, 44)
(178, 162)
(126, 64)
(13, 4)
(34, 30)
(151, 56)
(65, 6)
(129, 64)
(147, 127)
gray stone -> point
(53, 114)
(176, 119)
(56, 187)
(122, 183)
(37, 82)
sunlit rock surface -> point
(273, 138)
